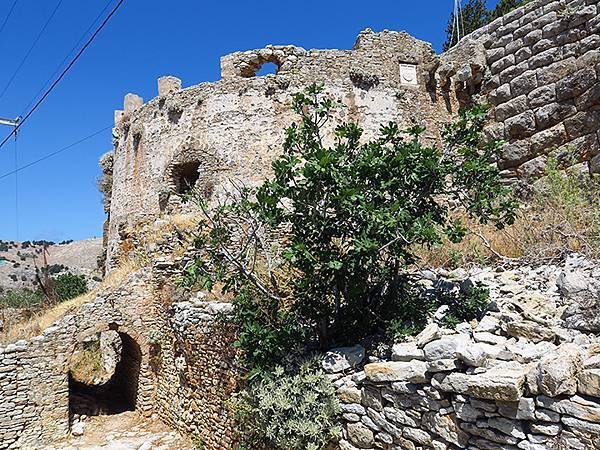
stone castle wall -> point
(538, 67)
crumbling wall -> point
(197, 373)
(524, 377)
(538, 67)
(234, 128)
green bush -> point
(464, 305)
(68, 286)
(295, 411)
(22, 298)
(354, 214)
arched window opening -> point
(267, 68)
(104, 375)
(185, 176)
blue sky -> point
(58, 198)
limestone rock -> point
(413, 372)
(360, 435)
(588, 382)
(430, 333)
(406, 351)
(343, 358)
(557, 373)
(504, 383)
(445, 348)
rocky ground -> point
(18, 260)
(126, 431)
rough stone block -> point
(413, 372)
(588, 382)
(513, 154)
(168, 85)
(542, 96)
(521, 126)
(575, 84)
(498, 383)
(554, 113)
(582, 123)
(524, 84)
(132, 102)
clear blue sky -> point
(58, 198)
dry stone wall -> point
(524, 377)
(176, 361)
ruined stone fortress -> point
(518, 381)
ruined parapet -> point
(168, 85)
(246, 64)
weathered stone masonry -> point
(537, 66)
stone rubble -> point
(526, 376)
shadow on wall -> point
(118, 394)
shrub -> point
(464, 304)
(352, 214)
(68, 286)
(21, 298)
(296, 411)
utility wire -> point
(10, 11)
(37, 39)
(67, 56)
(54, 153)
(63, 73)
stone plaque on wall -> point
(408, 74)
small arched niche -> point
(185, 176)
(104, 374)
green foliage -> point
(68, 286)
(464, 304)
(20, 298)
(295, 411)
(267, 333)
(353, 213)
(476, 15)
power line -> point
(37, 39)
(100, 14)
(10, 11)
(63, 73)
(54, 153)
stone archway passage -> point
(118, 394)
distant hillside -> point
(19, 259)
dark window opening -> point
(186, 176)
(118, 394)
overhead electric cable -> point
(64, 72)
(36, 40)
(10, 11)
(100, 14)
(54, 153)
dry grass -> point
(45, 318)
(561, 214)
(86, 364)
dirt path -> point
(126, 431)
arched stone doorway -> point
(100, 388)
